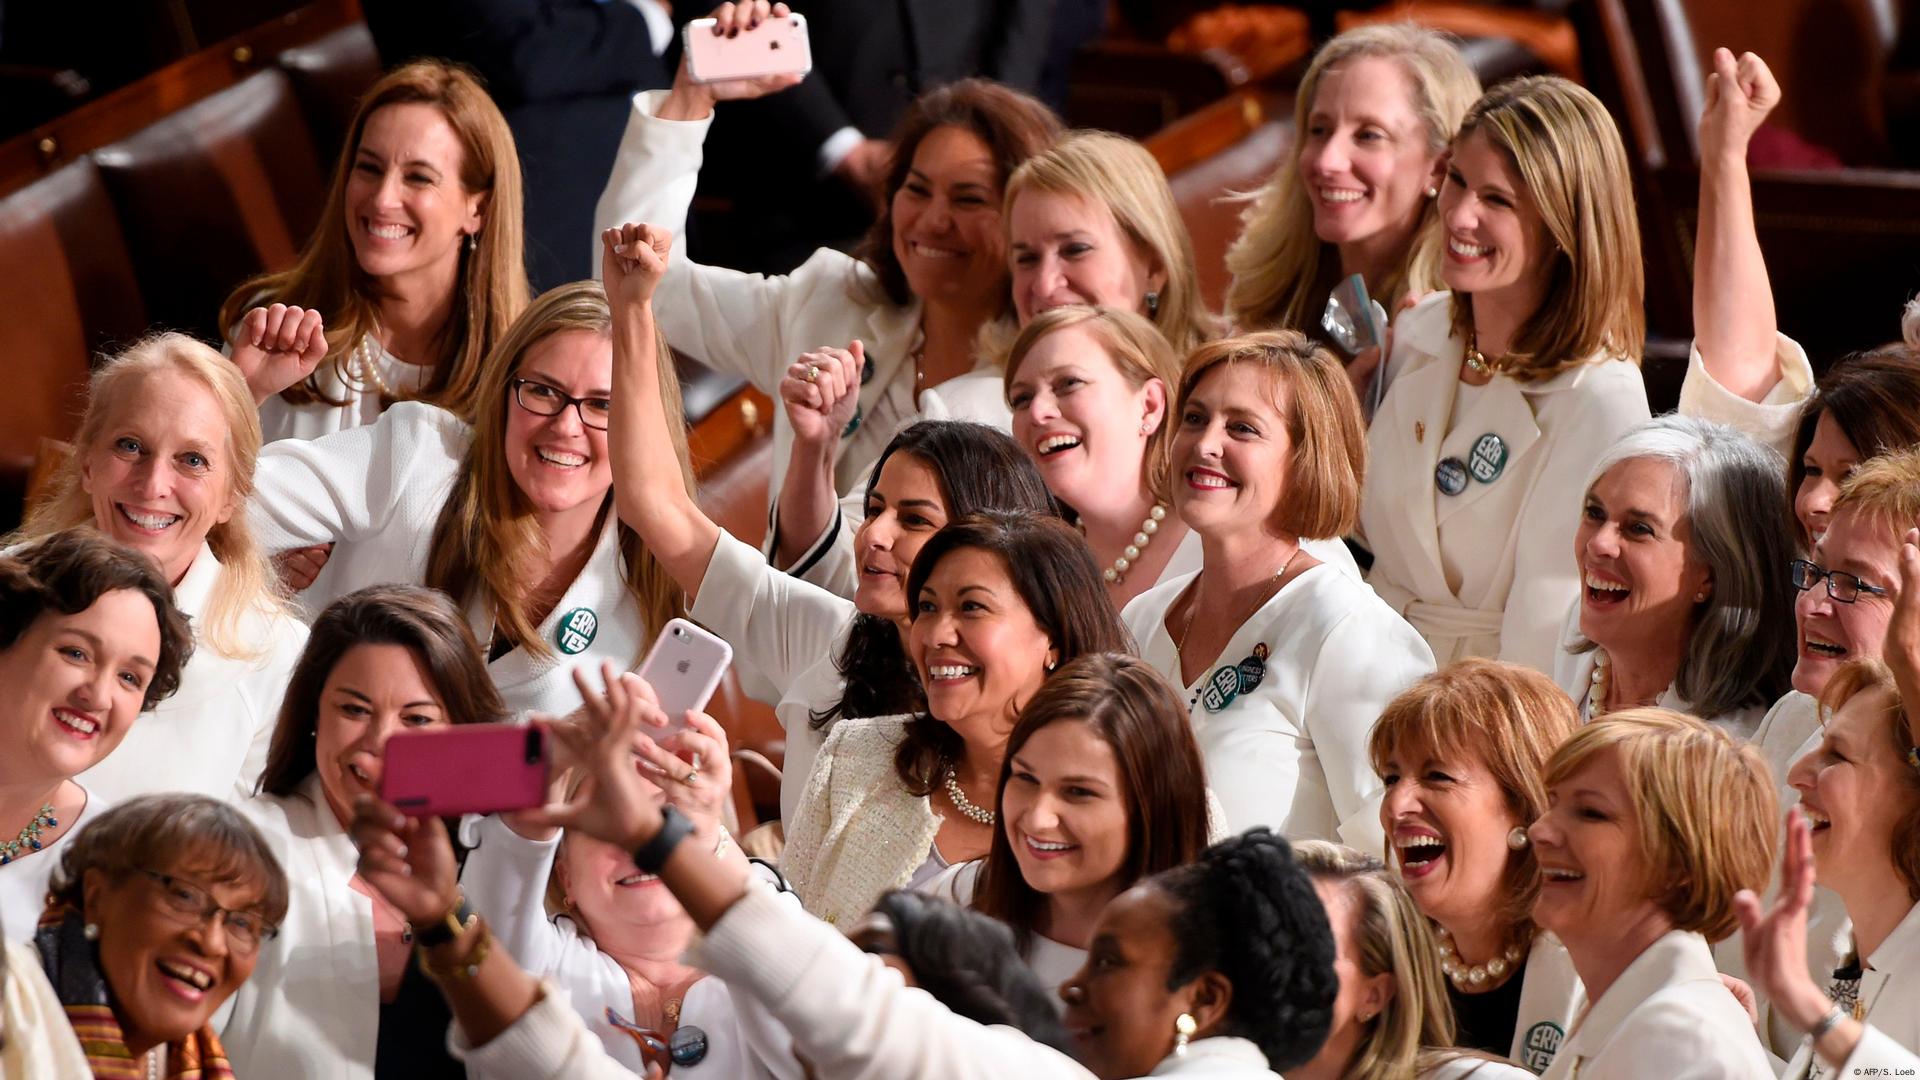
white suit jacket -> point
(211, 736)
(1890, 994)
(857, 831)
(1550, 997)
(1667, 1015)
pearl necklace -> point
(1476, 976)
(366, 369)
(1597, 696)
(965, 805)
(28, 841)
(1117, 573)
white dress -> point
(360, 405)
(1284, 738)
(210, 737)
(378, 491)
(23, 882)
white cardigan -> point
(378, 491)
(1890, 994)
(753, 326)
(1667, 1015)
(505, 880)
(360, 406)
(1291, 752)
(210, 737)
(311, 1011)
(857, 831)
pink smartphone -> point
(467, 769)
(684, 667)
(775, 47)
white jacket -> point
(1573, 671)
(857, 831)
(1667, 1015)
(211, 736)
(39, 1042)
(1890, 996)
(1290, 752)
(1550, 997)
(378, 491)
(311, 1011)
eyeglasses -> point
(194, 905)
(1842, 586)
(542, 400)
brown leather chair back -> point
(329, 75)
(214, 193)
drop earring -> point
(1153, 305)
(473, 242)
(1517, 838)
(1183, 1030)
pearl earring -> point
(1433, 193)
(1700, 597)
(1183, 1029)
(1517, 838)
(473, 241)
(91, 931)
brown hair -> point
(1857, 677)
(1873, 397)
(487, 541)
(1013, 125)
(1564, 145)
(424, 621)
(1162, 781)
(1506, 717)
(1139, 352)
(67, 572)
(1323, 420)
(492, 284)
(163, 832)
(1705, 805)
(1054, 573)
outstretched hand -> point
(1774, 940)
(618, 805)
(728, 20)
(633, 259)
(276, 347)
(1902, 648)
(1740, 94)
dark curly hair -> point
(69, 570)
(968, 962)
(1248, 911)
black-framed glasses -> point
(193, 905)
(542, 400)
(1842, 586)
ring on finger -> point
(812, 373)
(692, 775)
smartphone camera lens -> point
(679, 633)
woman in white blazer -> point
(89, 638)
(1682, 600)
(1460, 753)
(1001, 601)
(1101, 785)
(827, 657)
(164, 463)
(337, 994)
(1654, 821)
(513, 516)
(1293, 659)
(932, 271)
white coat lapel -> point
(1491, 440)
(573, 631)
(1421, 404)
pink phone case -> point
(775, 47)
(684, 667)
(469, 769)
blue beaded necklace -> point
(29, 839)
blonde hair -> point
(1856, 677)
(1414, 1032)
(1506, 717)
(491, 289)
(1329, 461)
(246, 584)
(1122, 176)
(1281, 269)
(1705, 807)
(1139, 352)
(487, 541)
(1885, 487)
(1567, 151)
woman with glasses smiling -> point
(513, 516)
(156, 915)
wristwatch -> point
(674, 827)
(447, 927)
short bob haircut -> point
(65, 573)
(169, 832)
(1507, 718)
(1053, 571)
(1704, 804)
(1323, 419)
(1163, 784)
(1564, 144)
(1013, 126)
(1140, 354)
(1874, 398)
(968, 963)
(1886, 489)
(1741, 649)
(1121, 176)
(1857, 677)
(424, 621)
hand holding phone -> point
(684, 668)
(466, 769)
(774, 45)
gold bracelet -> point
(467, 966)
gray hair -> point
(1741, 651)
(157, 832)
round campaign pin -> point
(1450, 476)
(576, 631)
(1489, 457)
(1221, 688)
(688, 1045)
(1253, 669)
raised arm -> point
(1733, 316)
(820, 392)
(277, 346)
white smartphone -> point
(684, 667)
(775, 47)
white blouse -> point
(1051, 961)
(24, 881)
(1284, 735)
(360, 399)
